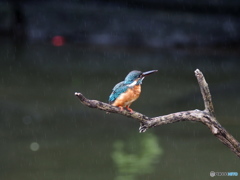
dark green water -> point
(46, 133)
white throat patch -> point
(135, 82)
(132, 84)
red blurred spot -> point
(58, 40)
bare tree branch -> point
(207, 99)
(207, 116)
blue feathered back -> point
(117, 90)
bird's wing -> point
(118, 85)
(117, 90)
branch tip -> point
(198, 72)
(76, 94)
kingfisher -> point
(125, 92)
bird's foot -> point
(129, 109)
(121, 108)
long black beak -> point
(148, 73)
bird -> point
(126, 92)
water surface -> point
(46, 133)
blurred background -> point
(50, 49)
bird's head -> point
(135, 77)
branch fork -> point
(206, 116)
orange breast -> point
(126, 99)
